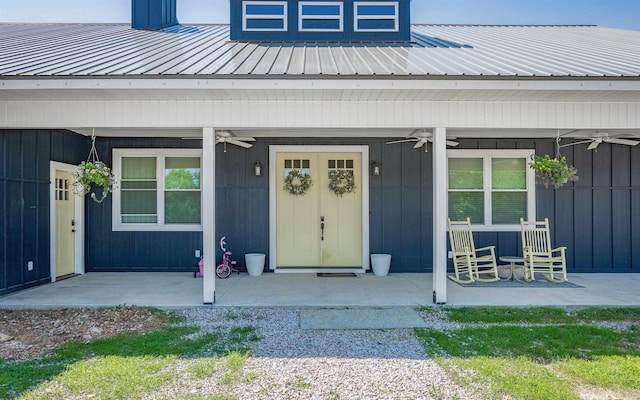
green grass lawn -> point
(549, 354)
(129, 366)
(525, 353)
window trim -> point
(357, 17)
(246, 17)
(161, 155)
(302, 18)
(487, 156)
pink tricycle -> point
(227, 266)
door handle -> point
(321, 228)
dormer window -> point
(327, 21)
(370, 16)
(320, 16)
(269, 16)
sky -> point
(611, 13)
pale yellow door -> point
(301, 240)
(64, 209)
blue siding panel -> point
(621, 235)
(14, 238)
(602, 223)
(583, 229)
(564, 224)
(153, 14)
(635, 230)
(24, 201)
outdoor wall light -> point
(257, 168)
(375, 169)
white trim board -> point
(273, 150)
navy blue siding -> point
(596, 218)
(347, 35)
(400, 208)
(153, 14)
(24, 201)
(108, 250)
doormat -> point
(336, 275)
(67, 276)
(538, 283)
(361, 318)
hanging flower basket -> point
(297, 183)
(553, 171)
(93, 174)
(341, 181)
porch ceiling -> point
(194, 134)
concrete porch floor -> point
(179, 290)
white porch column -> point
(439, 216)
(208, 183)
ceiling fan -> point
(421, 136)
(595, 140)
(225, 137)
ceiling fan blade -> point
(239, 143)
(401, 141)
(419, 144)
(451, 143)
(243, 138)
(627, 142)
(594, 145)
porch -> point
(178, 290)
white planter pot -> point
(380, 264)
(254, 263)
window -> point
(320, 16)
(376, 16)
(158, 189)
(264, 16)
(492, 187)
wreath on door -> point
(297, 183)
(341, 181)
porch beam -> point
(440, 215)
(208, 183)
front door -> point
(65, 229)
(321, 228)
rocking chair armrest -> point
(488, 248)
(559, 249)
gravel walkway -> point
(291, 363)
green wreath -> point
(341, 181)
(297, 183)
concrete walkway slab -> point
(361, 318)
(180, 289)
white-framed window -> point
(492, 187)
(375, 16)
(158, 189)
(264, 16)
(316, 16)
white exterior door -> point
(65, 224)
(320, 229)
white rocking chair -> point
(538, 255)
(466, 258)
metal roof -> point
(105, 50)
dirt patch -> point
(27, 334)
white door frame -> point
(274, 185)
(78, 216)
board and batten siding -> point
(597, 218)
(24, 201)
